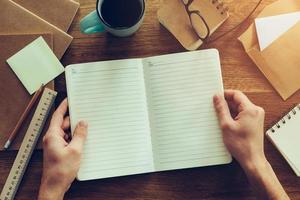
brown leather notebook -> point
(52, 11)
(15, 20)
(13, 96)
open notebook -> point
(147, 115)
(286, 137)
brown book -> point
(15, 20)
(13, 96)
(52, 11)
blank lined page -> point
(185, 131)
(110, 96)
(286, 137)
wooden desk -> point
(219, 182)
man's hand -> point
(61, 159)
(242, 125)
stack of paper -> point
(38, 17)
(22, 22)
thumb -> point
(223, 112)
(79, 136)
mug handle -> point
(91, 24)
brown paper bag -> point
(280, 62)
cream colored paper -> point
(287, 139)
(35, 65)
(271, 28)
(147, 115)
(111, 97)
(184, 125)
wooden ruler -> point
(28, 145)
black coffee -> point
(121, 13)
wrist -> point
(257, 166)
(264, 180)
(49, 190)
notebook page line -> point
(173, 82)
(111, 129)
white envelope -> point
(271, 28)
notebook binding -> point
(284, 119)
(219, 4)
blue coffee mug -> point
(95, 23)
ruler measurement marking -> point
(29, 142)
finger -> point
(238, 98)
(66, 123)
(79, 136)
(223, 111)
(58, 115)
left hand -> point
(61, 159)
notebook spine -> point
(219, 4)
(282, 121)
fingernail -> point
(83, 124)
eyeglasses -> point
(201, 27)
(197, 21)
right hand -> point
(242, 125)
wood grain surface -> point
(210, 183)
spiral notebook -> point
(147, 115)
(173, 16)
(285, 135)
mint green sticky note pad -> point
(35, 65)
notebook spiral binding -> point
(284, 119)
(220, 6)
